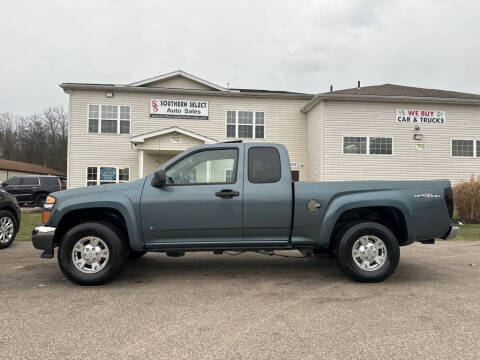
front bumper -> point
(42, 237)
(452, 233)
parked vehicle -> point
(9, 219)
(240, 196)
(33, 189)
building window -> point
(92, 176)
(367, 145)
(354, 145)
(259, 125)
(380, 146)
(101, 175)
(228, 175)
(93, 117)
(109, 119)
(464, 148)
(231, 124)
(246, 124)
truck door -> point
(267, 195)
(201, 201)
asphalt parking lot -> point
(206, 306)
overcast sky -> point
(280, 45)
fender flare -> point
(347, 202)
(122, 204)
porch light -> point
(417, 136)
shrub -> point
(467, 200)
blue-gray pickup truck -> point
(240, 197)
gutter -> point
(126, 88)
(387, 98)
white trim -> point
(99, 130)
(178, 73)
(143, 137)
(254, 124)
(368, 145)
(140, 163)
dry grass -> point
(467, 200)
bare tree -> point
(40, 138)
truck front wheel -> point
(92, 253)
(368, 252)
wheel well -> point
(80, 216)
(13, 212)
(388, 216)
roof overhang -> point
(174, 129)
(152, 90)
(384, 98)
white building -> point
(123, 132)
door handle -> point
(227, 194)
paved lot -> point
(205, 306)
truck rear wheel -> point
(368, 252)
(92, 253)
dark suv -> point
(33, 189)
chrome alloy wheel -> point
(6, 229)
(369, 253)
(90, 254)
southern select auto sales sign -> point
(415, 116)
(179, 109)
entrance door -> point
(201, 202)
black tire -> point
(40, 199)
(116, 246)
(133, 255)
(8, 214)
(344, 248)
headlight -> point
(47, 208)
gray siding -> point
(355, 118)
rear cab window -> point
(50, 181)
(264, 165)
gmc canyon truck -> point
(240, 196)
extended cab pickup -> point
(240, 196)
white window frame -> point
(368, 145)
(99, 131)
(464, 157)
(254, 124)
(117, 174)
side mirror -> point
(159, 178)
(4, 184)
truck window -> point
(13, 181)
(263, 165)
(49, 181)
(29, 181)
(205, 167)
